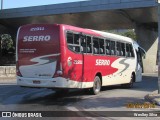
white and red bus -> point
(63, 56)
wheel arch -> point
(100, 76)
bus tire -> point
(96, 86)
(130, 84)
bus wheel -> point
(130, 84)
(96, 86)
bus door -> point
(139, 69)
(86, 49)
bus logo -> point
(69, 61)
(36, 38)
(78, 62)
(100, 62)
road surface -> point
(113, 98)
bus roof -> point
(108, 35)
(114, 36)
(103, 34)
(96, 32)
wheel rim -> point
(97, 86)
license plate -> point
(36, 81)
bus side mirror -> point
(143, 52)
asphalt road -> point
(113, 98)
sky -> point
(26, 3)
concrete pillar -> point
(148, 39)
(159, 48)
(13, 33)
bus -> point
(59, 56)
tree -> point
(127, 33)
(130, 33)
(6, 44)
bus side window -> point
(108, 47)
(131, 50)
(76, 42)
(118, 48)
(83, 44)
(73, 42)
(89, 44)
(95, 45)
(112, 48)
(127, 50)
(76, 39)
(70, 38)
(101, 45)
(122, 49)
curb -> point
(153, 97)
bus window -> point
(95, 46)
(112, 47)
(83, 44)
(107, 47)
(101, 45)
(131, 50)
(73, 42)
(122, 49)
(127, 50)
(76, 39)
(70, 38)
(89, 44)
(118, 48)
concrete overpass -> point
(141, 15)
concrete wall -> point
(148, 39)
(7, 71)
